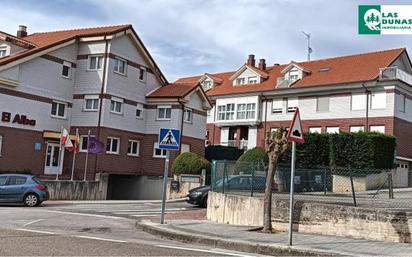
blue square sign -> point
(169, 139)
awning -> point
(55, 135)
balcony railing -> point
(390, 73)
(242, 144)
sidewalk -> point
(51, 202)
(241, 238)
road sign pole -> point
(292, 176)
(165, 179)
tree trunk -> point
(267, 212)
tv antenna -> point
(307, 35)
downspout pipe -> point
(367, 91)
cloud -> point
(192, 37)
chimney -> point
(262, 64)
(22, 31)
(251, 60)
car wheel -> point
(204, 203)
(31, 200)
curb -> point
(113, 201)
(236, 245)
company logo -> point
(385, 19)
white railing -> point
(390, 73)
(242, 144)
(282, 82)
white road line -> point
(102, 239)
(144, 215)
(36, 231)
(85, 214)
(205, 251)
(32, 222)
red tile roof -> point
(174, 90)
(45, 40)
(344, 69)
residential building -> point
(101, 80)
(369, 91)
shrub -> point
(189, 163)
(253, 158)
(220, 152)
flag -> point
(76, 146)
(94, 146)
(65, 139)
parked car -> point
(198, 196)
(22, 188)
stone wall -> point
(313, 218)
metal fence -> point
(377, 188)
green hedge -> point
(251, 159)
(348, 150)
(362, 150)
(220, 152)
(190, 163)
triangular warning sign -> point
(295, 129)
(169, 139)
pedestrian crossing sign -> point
(169, 139)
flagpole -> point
(74, 154)
(87, 156)
(60, 154)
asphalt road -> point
(73, 230)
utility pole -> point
(307, 35)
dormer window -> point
(293, 74)
(207, 84)
(3, 51)
(240, 81)
(252, 80)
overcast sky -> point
(192, 37)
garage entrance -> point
(130, 187)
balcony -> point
(242, 144)
(391, 73)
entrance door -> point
(52, 159)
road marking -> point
(36, 231)
(102, 239)
(145, 215)
(205, 251)
(86, 214)
(32, 222)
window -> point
(252, 80)
(66, 70)
(332, 130)
(164, 112)
(277, 106)
(230, 111)
(323, 104)
(402, 103)
(185, 148)
(1, 143)
(16, 180)
(241, 111)
(3, 180)
(293, 75)
(84, 142)
(221, 112)
(3, 51)
(377, 128)
(142, 74)
(95, 62)
(133, 148)
(91, 103)
(240, 81)
(292, 104)
(188, 115)
(158, 153)
(315, 130)
(139, 111)
(113, 145)
(358, 102)
(58, 110)
(120, 66)
(354, 129)
(116, 105)
(250, 111)
(378, 100)
(207, 84)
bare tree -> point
(276, 143)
